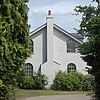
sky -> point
(62, 11)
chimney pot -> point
(49, 13)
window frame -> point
(71, 67)
(31, 46)
(28, 69)
(71, 46)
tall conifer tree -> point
(14, 42)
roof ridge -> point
(59, 28)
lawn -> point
(20, 92)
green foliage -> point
(90, 28)
(68, 81)
(38, 81)
(89, 83)
(1, 84)
(20, 77)
(14, 42)
(27, 83)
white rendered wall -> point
(63, 57)
(39, 56)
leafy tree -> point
(90, 28)
(14, 42)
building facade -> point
(54, 49)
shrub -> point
(20, 77)
(89, 83)
(40, 80)
(28, 83)
(68, 81)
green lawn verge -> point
(46, 92)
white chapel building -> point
(54, 49)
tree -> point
(90, 28)
(14, 42)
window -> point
(28, 69)
(71, 46)
(71, 68)
(78, 50)
(31, 46)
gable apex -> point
(58, 28)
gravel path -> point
(57, 97)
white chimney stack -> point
(49, 36)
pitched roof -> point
(77, 37)
(38, 29)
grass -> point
(20, 92)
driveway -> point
(60, 97)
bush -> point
(28, 83)
(89, 83)
(40, 80)
(20, 77)
(68, 81)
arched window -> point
(71, 68)
(29, 70)
(71, 46)
(31, 46)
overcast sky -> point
(62, 11)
